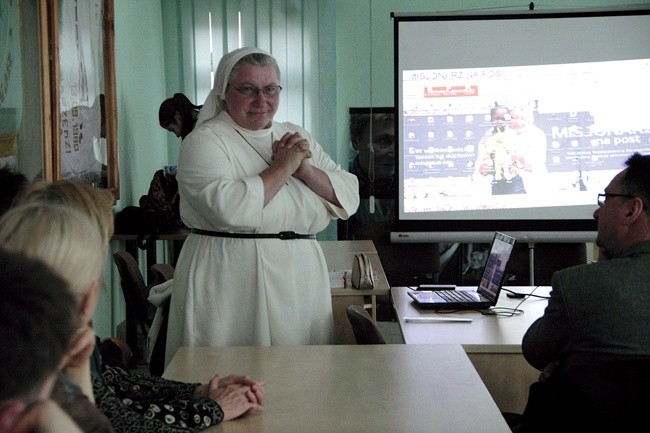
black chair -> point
(365, 329)
(606, 398)
(161, 272)
(139, 312)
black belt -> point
(281, 235)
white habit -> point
(235, 292)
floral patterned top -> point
(137, 403)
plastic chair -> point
(137, 306)
(365, 329)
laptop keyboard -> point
(456, 296)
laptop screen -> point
(495, 267)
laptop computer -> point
(489, 287)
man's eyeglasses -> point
(252, 92)
(603, 196)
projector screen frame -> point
(473, 230)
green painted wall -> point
(140, 80)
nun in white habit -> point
(254, 192)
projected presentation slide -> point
(543, 135)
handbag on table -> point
(362, 275)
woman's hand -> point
(256, 386)
(44, 417)
(313, 177)
(80, 349)
(291, 149)
(76, 361)
(293, 141)
(237, 395)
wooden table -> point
(377, 388)
(493, 344)
(339, 255)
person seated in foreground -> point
(600, 312)
(127, 399)
(36, 325)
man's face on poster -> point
(383, 144)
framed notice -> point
(80, 95)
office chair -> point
(138, 309)
(160, 272)
(365, 329)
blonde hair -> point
(62, 237)
(95, 203)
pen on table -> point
(436, 319)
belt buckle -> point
(288, 235)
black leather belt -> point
(281, 235)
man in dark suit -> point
(602, 310)
(599, 313)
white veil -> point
(214, 103)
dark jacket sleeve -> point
(547, 338)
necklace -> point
(254, 148)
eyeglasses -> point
(252, 92)
(603, 196)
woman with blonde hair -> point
(174, 405)
(69, 243)
(96, 203)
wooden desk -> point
(376, 388)
(493, 344)
(339, 255)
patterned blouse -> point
(137, 403)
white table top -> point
(487, 334)
(347, 388)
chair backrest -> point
(365, 329)
(161, 272)
(134, 290)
